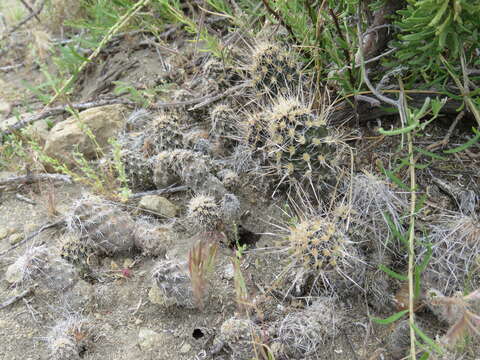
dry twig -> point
(44, 227)
(15, 298)
(57, 110)
(168, 190)
(24, 21)
(31, 178)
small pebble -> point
(185, 348)
(3, 233)
(15, 238)
(29, 228)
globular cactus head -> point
(454, 262)
(297, 141)
(223, 122)
(205, 212)
(76, 250)
(294, 141)
(322, 251)
(69, 338)
(230, 179)
(240, 335)
(375, 204)
(302, 333)
(230, 208)
(104, 227)
(171, 278)
(163, 133)
(273, 69)
(317, 244)
(138, 169)
(152, 239)
(28, 266)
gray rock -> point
(159, 205)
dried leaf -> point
(402, 299)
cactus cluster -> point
(322, 250)
(171, 278)
(273, 69)
(139, 147)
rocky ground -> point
(293, 206)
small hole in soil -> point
(82, 351)
(197, 334)
(245, 237)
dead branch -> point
(10, 67)
(29, 8)
(15, 298)
(368, 111)
(44, 227)
(31, 178)
(168, 190)
(198, 102)
(61, 109)
(277, 16)
(210, 99)
(24, 21)
(25, 199)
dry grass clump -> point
(201, 263)
(59, 12)
(461, 313)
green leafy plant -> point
(430, 28)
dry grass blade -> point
(240, 286)
(201, 262)
(459, 308)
